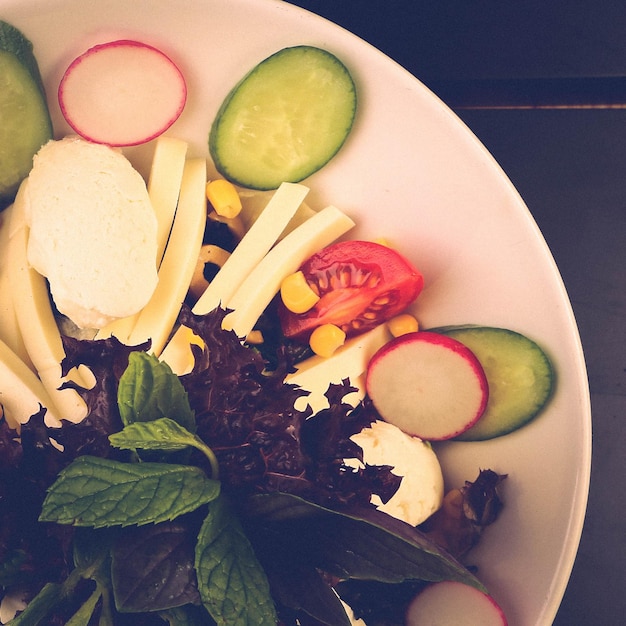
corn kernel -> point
(296, 293)
(223, 197)
(383, 241)
(402, 324)
(325, 339)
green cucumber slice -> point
(24, 117)
(284, 120)
(519, 373)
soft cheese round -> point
(421, 491)
(92, 231)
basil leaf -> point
(360, 543)
(98, 492)
(300, 587)
(152, 568)
(148, 390)
(231, 581)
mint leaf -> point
(148, 390)
(152, 567)
(231, 581)
(161, 434)
(97, 492)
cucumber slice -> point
(519, 373)
(284, 120)
(24, 118)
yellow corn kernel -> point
(325, 339)
(223, 197)
(383, 241)
(402, 324)
(296, 293)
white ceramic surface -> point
(413, 173)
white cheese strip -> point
(263, 283)
(10, 331)
(349, 361)
(164, 183)
(37, 324)
(251, 249)
(253, 202)
(158, 317)
(21, 392)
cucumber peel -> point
(25, 123)
(284, 120)
(520, 375)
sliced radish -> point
(429, 385)
(451, 603)
(122, 93)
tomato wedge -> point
(360, 283)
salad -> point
(180, 437)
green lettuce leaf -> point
(97, 492)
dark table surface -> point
(570, 168)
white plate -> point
(413, 173)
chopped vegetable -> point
(449, 603)
(223, 197)
(519, 373)
(349, 362)
(325, 340)
(263, 283)
(403, 324)
(285, 119)
(360, 284)
(427, 384)
(465, 513)
(24, 118)
(122, 93)
(296, 294)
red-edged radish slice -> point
(450, 603)
(122, 93)
(428, 385)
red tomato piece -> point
(360, 283)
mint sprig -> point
(97, 492)
(149, 390)
(232, 583)
(162, 434)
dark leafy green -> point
(355, 543)
(152, 568)
(287, 523)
